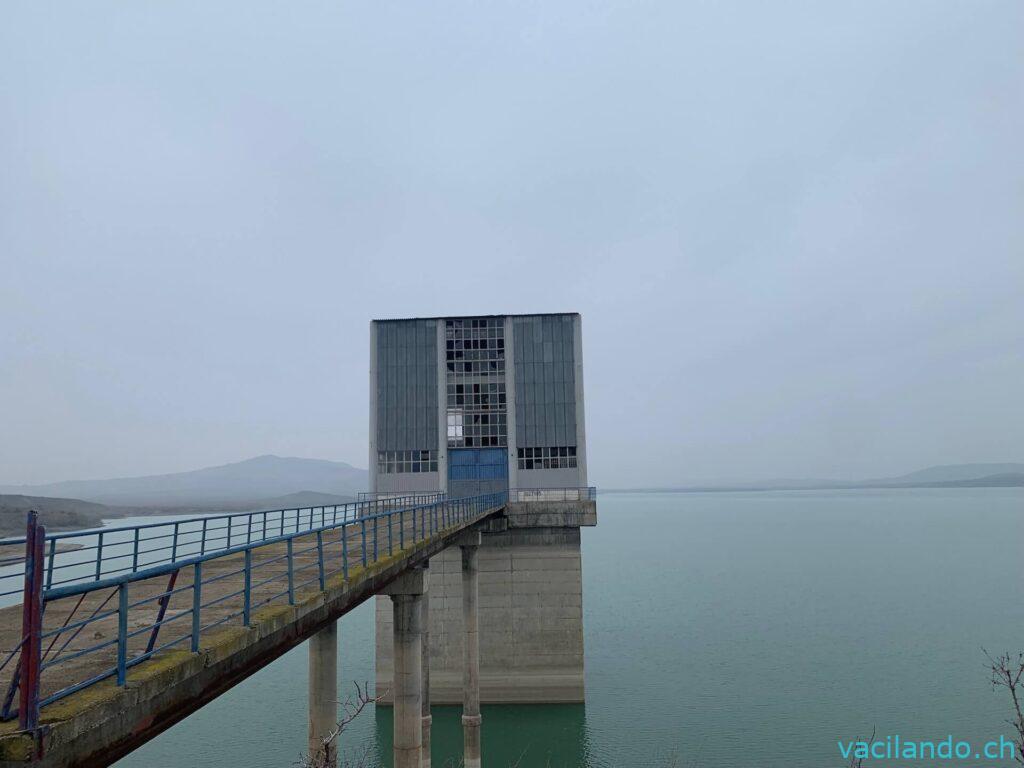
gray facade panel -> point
(406, 385)
(545, 382)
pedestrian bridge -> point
(111, 636)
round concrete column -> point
(408, 703)
(323, 695)
(471, 667)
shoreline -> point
(19, 559)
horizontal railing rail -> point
(93, 554)
(583, 493)
(102, 621)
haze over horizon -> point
(795, 233)
(987, 468)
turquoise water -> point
(722, 629)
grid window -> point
(392, 462)
(475, 381)
(547, 457)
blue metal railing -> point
(281, 553)
(94, 554)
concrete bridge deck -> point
(248, 619)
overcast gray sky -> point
(795, 230)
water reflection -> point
(525, 736)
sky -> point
(795, 230)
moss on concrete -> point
(104, 692)
(16, 748)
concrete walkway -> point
(101, 723)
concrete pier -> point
(530, 610)
(323, 696)
(407, 692)
(425, 667)
(470, 546)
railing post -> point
(174, 547)
(135, 551)
(99, 556)
(375, 537)
(197, 604)
(320, 559)
(248, 529)
(362, 525)
(291, 574)
(344, 551)
(31, 611)
(264, 534)
(202, 539)
(401, 529)
(247, 593)
(49, 564)
(391, 542)
(122, 632)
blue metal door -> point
(475, 471)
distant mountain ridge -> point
(945, 473)
(1001, 475)
(260, 478)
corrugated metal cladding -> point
(545, 381)
(407, 386)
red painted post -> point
(36, 640)
(31, 624)
(162, 603)
(26, 618)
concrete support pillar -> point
(323, 695)
(471, 668)
(407, 691)
(425, 667)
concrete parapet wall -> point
(551, 514)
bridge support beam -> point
(323, 695)
(407, 603)
(427, 720)
(470, 546)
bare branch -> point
(1008, 672)
(351, 709)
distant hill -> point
(1004, 480)
(948, 473)
(243, 482)
(302, 499)
(61, 514)
(56, 514)
(945, 476)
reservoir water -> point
(722, 629)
